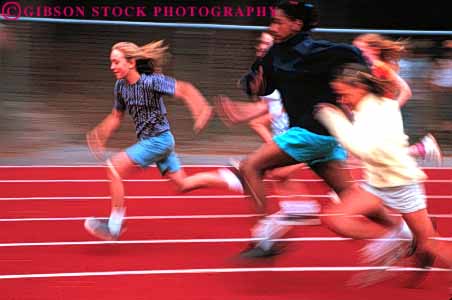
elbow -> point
(183, 89)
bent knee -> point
(248, 167)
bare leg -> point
(268, 156)
(355, 201)
(347, 217)
(283, 173)
(428, 247)
(422, 228)
(335, 174)
(121, 166)
(118, 167)
(198, 180)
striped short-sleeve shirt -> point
(144, 102)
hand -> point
(95, 144)
(202, 119)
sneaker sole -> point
(97, 233)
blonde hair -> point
(357, 75)
(153, 54)
(389, 51)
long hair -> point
(149, 58)
(390, 51)
(358, 75)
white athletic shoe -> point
(390, 249)
(267, 231)
(99, 228)
(298, 213)
(234, 183)
(384, 253)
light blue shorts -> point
(157, 149)
(307, 147)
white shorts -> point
(405, 199)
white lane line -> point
(78, 180)
(182, 217)
(220, 270)
(158, 197)
(187, 197)
(129, 180)
(184, 166)
(96, 166)
(171, 217)
(189, 241)
(167, 180)
(129, 197)
(129, 242)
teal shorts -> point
(307, 147)
(157, 149)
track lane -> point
(237, 286)
(99, 172)
(266, 285)
(163, 229)
(183, 205)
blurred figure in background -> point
(265, 116)
(442, 68)
(383, 55)
(7, 43)
(441, 83)
(6, 38)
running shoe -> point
(266, 231)
(99, 228)
(257, 251)
(389, 250)
(302, 212)
(231, 179)
(381, 254)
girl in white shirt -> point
(393, 178)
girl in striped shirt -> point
(139, 89)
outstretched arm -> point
(386, 71)
(404, 90)
(196, 102)
(97, 137)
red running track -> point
(178, 246)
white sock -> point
(299, 207)
(231, 180)
(115, 220)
